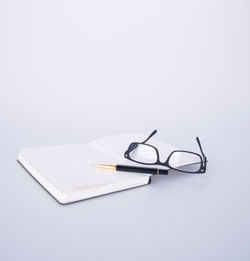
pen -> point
(127, 168)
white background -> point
(73, 71)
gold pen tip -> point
(105, 166)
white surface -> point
(73, 71)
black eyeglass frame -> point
(202, 157)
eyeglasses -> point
(179, 160)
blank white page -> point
(116, 145)
(70, 167)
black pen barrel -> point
(146, 170)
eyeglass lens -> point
(179, 160)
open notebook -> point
(68, 174)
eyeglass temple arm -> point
(199, 143)
(152, 134)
